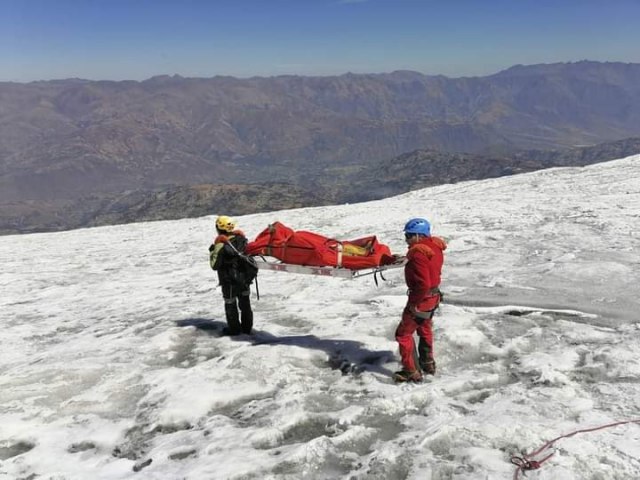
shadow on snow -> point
(348, 356)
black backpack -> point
(245, 268)
(248, 268)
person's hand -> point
(222, 239)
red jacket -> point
(422, 272)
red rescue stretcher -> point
(309, 253)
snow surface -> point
(111, 352)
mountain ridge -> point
(64, 141)
(410, 171)
(107, 135)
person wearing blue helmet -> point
(422, 272)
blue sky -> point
(137, 39)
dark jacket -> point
(225, 259)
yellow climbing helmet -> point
(225, 224)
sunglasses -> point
(407, 236)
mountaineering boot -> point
(226, 331)
(428, 367)
(407, 376)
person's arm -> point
(215, 255)
(422, 272)
(219, 249)
(418, 278)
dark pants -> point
(235, 297)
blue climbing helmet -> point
(418, 226)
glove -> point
(222, 239)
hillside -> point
(407, 172)
(66, 138)
(162, 203)
(424, 168)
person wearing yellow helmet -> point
(225, 224)
(235, 274)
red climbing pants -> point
(404, 336)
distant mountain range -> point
(76, 152)
(411, 171)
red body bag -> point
(307, 248)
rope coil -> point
(525, 463)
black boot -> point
(407, 376)
(428, 367)
(228, 332)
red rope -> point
(525, 462)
